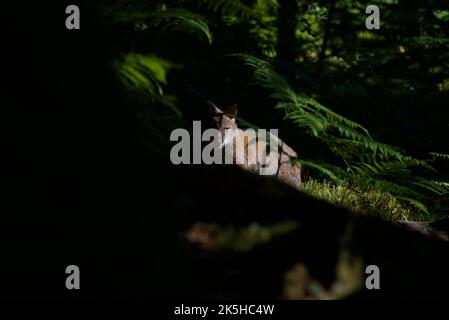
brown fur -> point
(287, 171)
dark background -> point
(82, 184)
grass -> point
(365, 201)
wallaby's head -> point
(222, 119)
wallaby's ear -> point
(232, 111)
(214, 110)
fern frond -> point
(439, 155)
(145, 16)
(332, 172)
(145, 73)
(169, 101)
(180, 20)
(437, 187)
(414, 203)
(369, 163)
(287, 97)
(228, 7)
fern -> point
(329, 171)
(143, 72)
(181, 20)
(439, 155)
(147, 74)
(236, 8)
(228, 7)
(168, 19)
(369, 163)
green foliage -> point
(228, 7)
(167, 19)
(370, 201)
(181, 20)
(436, 155)
(333, 172)
(368, 163)
(144, 72)
(442, 14)
(145, 75)
(356, 157)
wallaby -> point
(234, 139)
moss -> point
(364, 201)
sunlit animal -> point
(282, 164)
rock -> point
(436, 229)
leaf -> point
(145, 73)
(229, 8)
(368, 162)
(181, 20)
(168, 19)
